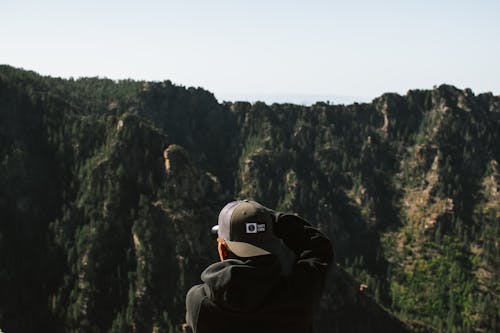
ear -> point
(222, 249)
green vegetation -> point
(108, 191)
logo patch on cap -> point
(253, 228)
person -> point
(250, 289)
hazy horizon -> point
(268, 98)
(280, 50)
(294, 98)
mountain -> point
(301, 99)
(108, 190)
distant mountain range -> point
(293, 98)
(108, 190)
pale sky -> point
(273, 50)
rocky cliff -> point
(109, 189)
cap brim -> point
(244, 250)
(275, 247)
(215, 230)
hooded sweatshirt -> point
(251, 294)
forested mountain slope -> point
(108, 191)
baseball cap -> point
(247, 228)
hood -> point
(242, 285)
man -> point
(251, 289)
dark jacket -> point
(250, 294)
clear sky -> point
(256, 49)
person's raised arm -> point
(312, 248)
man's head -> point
(245, 228)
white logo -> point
(253, 228)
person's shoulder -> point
(194, 299)
(197, 293)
